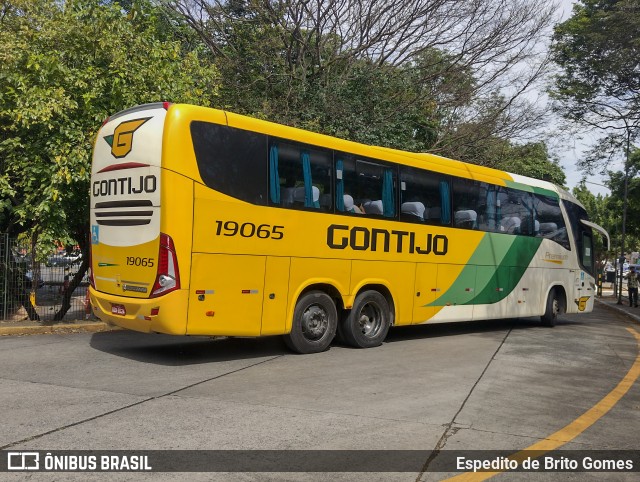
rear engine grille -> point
(120, 213)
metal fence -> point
(34, 290)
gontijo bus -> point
(205, 222)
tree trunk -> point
(73, 284)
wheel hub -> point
(370, 320)
(315, 322)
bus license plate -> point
(118, 310)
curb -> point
(620, 310)
(91, 327)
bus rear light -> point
(166, 105)
(168, 275)
(154, 312)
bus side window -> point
(372, 186)
(225, 155)
(551, 221)
(489, 211)
(422, 196)
(299, 176)
(468, 198)
(518, 212)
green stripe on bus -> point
(508, 274)
(492, 277)
(533, 189)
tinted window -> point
(489, 207)
(365, 187)
(518, 214)
(583, 235)
(232, 161)
(586, 252)
(300, 176)
(425, 197)
(468, 196)
(551, 222)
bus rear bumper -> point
(166, 314)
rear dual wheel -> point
(367, 324)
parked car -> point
(28, 277)
(64, 259)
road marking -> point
(575, 428)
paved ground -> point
(492, 385)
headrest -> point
(415, 208)
(373, 207)
(298, 194)
(548, 227)
(348, 202)
(466, 215)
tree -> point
(532, 159)
(64, 67)
(597, 49)
(409, 74)
(616, 184)
(605, 210)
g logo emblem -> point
(582, 302)
(122, 139)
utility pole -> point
(624, 210)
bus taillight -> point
(168, 276)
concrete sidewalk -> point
(610, 300)
(28, 327)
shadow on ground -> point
(180, 350)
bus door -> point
(226, 294)
(276, 295)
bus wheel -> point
(552, 310)
(314, 323)
(367, 324)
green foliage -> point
(607, 210)
(615, 204)
(359, 100)
(275, 65)
(598, 49)
(533, 160)
(64, 67)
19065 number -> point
(249, 230)
(137, 261)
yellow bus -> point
(205, 222)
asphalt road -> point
(503, 385)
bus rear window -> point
(231, 160)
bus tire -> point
(552, 309)
(367, 324)
(315, 320)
